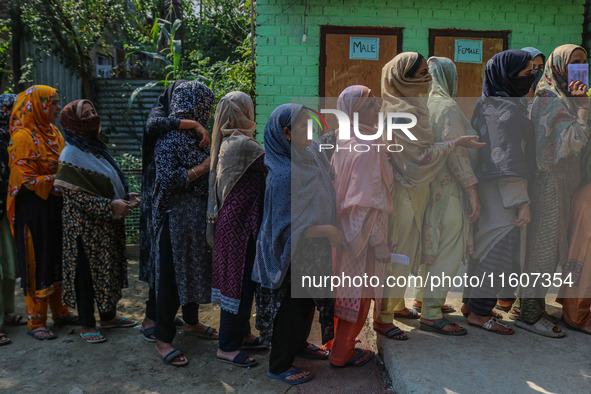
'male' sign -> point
(364, 48)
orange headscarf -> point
(35, 146)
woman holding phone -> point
(559, 114)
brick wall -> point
(288, 67)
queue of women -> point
(445, 199)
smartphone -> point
(578, 72)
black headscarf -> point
(500, 74)
(501, 119)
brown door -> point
(470, 74)
(355, 56)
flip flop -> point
(352, 362)
(147, 333)
(288, 373)
(208, 334)
(393, 333)
(492, 314)
(438, 328)
(33, 332)
(308, 353)
(170, 357)
(2, 343)
(567, 326)
(258, 343)
(490, 324)
(15, 320)
(541, 327)
(124, 322)
(98, 335)
(239, 360)
(413, 314)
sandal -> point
(488, 326)
(412, 314)
(445, 308)
(124, 322)
(32, 333)
(148, 333)
(14, 320)
(542, 327)
(98, 339)
(359, 354)
(4, 340)
(240, 360)
(438, 327)
(289, 373)
(492, 314)
(207, 334)
(170, 357)
(393, 333)
(258, 343)
(310, 350)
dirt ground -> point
(127, 364)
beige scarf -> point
(233, 150)
(421, 160)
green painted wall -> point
(288, 67)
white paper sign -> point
(468, 51)
(364, 48)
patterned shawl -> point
(233, 151)
(85, 164)
(559, 131)
(305, 173)
(6, 102)
(35, 145)
(421, 160)
(501, 120)
(362, 179)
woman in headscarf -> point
(575, 297)
(234, 214)
(7, 249)
(559, 114)
(159, 123)
(34, 205)
(364, 185)
(453, 202)
(96, 200)
(182, 259)
(405, 87)
(297, 231)
(505, 164)
(538, 60)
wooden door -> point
(470, 75)
(340, 66)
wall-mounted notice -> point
(468, 51)
(364, 48)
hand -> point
(468, 141)
(382, 253)
(121, 208)
(579, 91)
(133, 200)
(523, 218)
(335, 236)
(206, 164)
(474, 204)
(200, 131)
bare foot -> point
(479, 321)
(148, 323)
(42, 333)
(446, 328)
(91, 330)
(201, 329)
(4, 339)
(230, 356)
(163, 349)
(297, 376)
(384, 328)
